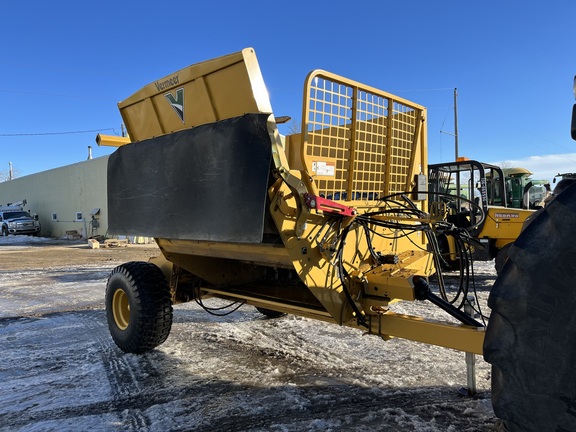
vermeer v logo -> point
(177, 102)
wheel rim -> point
(121, 309)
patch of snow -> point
(60, 369)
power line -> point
(424, 90)
(55, 133)
(56, 95)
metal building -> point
(70, 201)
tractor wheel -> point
(270, 313)
(531, 336)
(501, 258)
(502, 255)
(138, 307)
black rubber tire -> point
(531, 335)
(501, 258)
(138, 307)
(502, 255)
(270, 313)
(4, 231)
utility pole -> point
(455, 134)
(455, 124)
(10, 172)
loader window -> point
(495, 187)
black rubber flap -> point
(205, 183)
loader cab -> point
(465, 189)
(518, 186)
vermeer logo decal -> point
(164, 85)
(177, 102)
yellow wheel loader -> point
(331, 223)
(470, 199)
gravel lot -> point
(62, 371)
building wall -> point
(64, 198)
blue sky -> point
(64, 65)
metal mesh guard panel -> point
(358, 141)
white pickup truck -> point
(15, 220)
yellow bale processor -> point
(329, 223)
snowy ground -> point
(60, 369)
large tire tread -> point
(531, 335)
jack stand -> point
(470, 357)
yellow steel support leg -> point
(456, 336)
